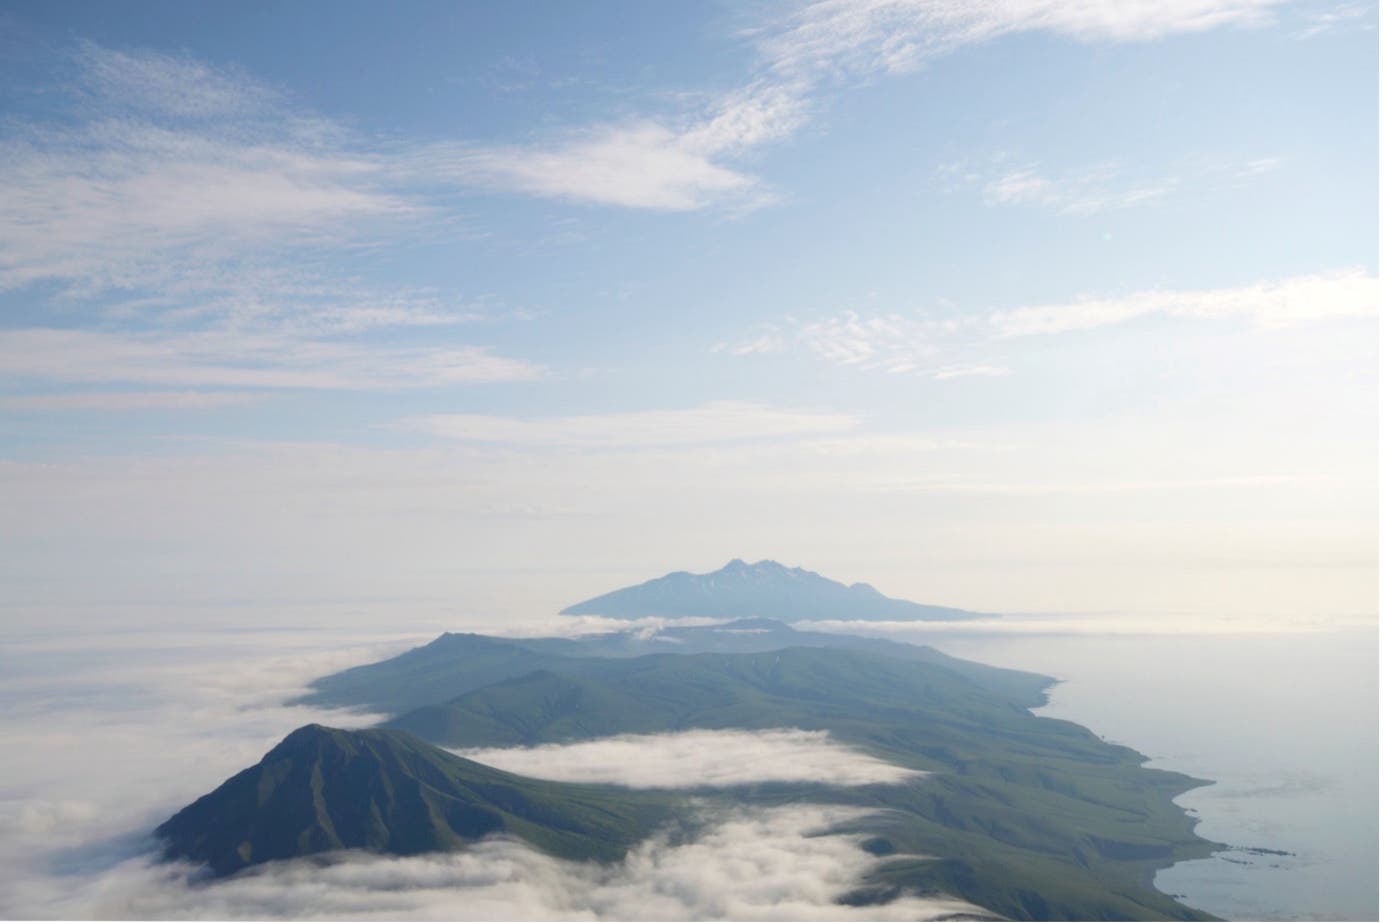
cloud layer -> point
(107, 733)
(181, 215)
(698, 758)
(263, 358)
(778, 864)
(951, 346)
(687, 160)
(1348, 292)
(194, 204)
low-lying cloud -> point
(772, 864)
(698, 758)
(109, 731)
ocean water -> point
(1284, 721)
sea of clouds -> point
(697, 758)
(107, 733)
(775, 864)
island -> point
(1021, 816)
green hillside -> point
(445, 667)
(324, 789)
(453, 664)
(1030, 817)
(1035, 817)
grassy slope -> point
(446, 667)
(323, 789)
(454, 664)
(1035, 817)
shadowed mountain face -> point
(323, 789)
(767, 589)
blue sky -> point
(1015, 305)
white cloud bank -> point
(778, 864)
(698, 758)
(108, 731)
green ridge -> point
(1035, 817)
(453, 664)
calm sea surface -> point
(1286, 723)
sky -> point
(1021, 305)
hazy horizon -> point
(1002, 307)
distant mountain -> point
(764, 589)
(324, 789)
(454, 664)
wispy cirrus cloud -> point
(183, 216)
(687, 160)
(128, 400)
(676, 163)
(129, 205)
(1335, 17)
(893, 343)
(178, 86)
(717, 421)
(636, 165)
(1351, 292)
(1084, 194)
(221, 358)
(169, 166)
(957, 345)
(1094, 188)
(184, 156)
(898, 35)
